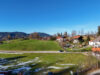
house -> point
(59, 39)
(91, 43)
(96, 49)
(76, 39)
(95, 43)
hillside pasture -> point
(30, 45)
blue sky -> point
(50, 16)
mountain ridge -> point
(20, 35)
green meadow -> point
(49, 58)
(30, 45)
(46, 60)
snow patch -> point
(66, 64)
(54, 67)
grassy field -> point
(49, 58)
(87, 49)
(28, 45)
(52, 60)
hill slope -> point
(30, 45)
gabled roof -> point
(96, 49)
(76, 37)
(91, 40)
(58, 37)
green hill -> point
(30, 45)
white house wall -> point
(94, 44)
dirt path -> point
(21, 52)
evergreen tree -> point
(98, 30)
(81, 39)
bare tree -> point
(34, 36)
(82, 32)
(65, 34)
(30, 36)
(8, 37)
(74, 33)
(88, 33)
(58, 34)
(79, 32)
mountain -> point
(4, 35)
(43, 34)
(12, 35)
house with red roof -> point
(91, 43)
(59, 39)
(95, 44)
(76, 39)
